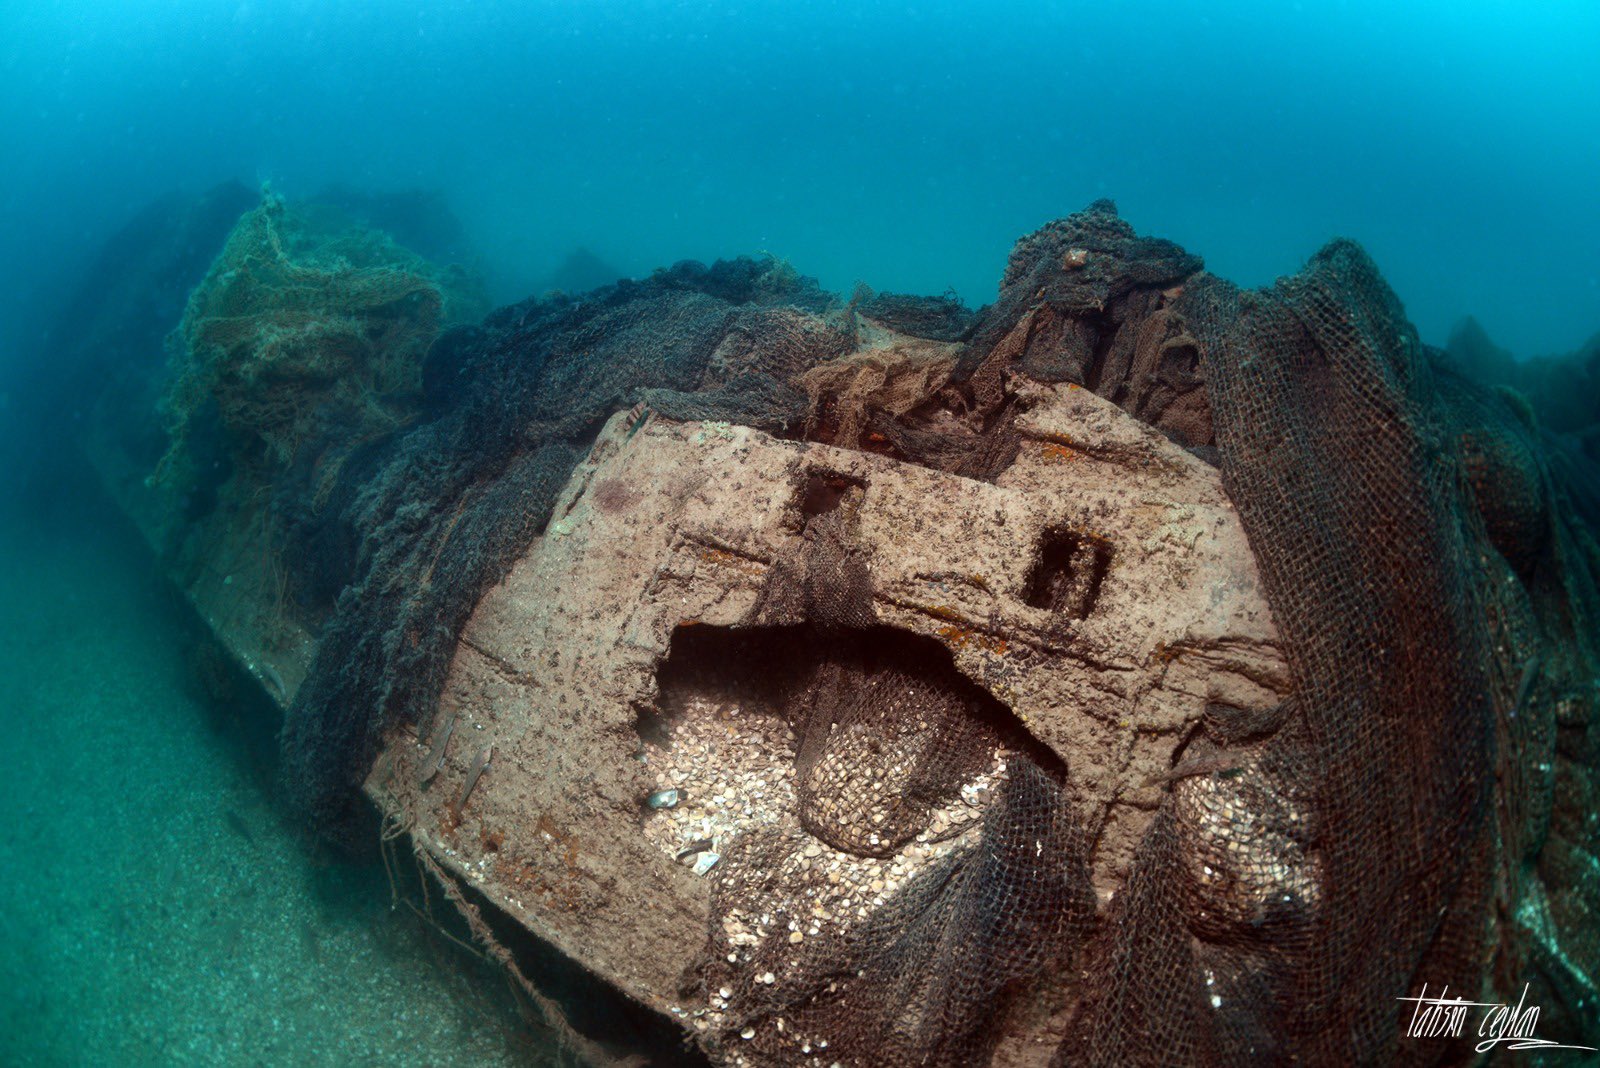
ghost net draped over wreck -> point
(1140, 670)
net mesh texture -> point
(1422, 809)
(1422, 548)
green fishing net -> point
(305, 322)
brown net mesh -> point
(1420, 811)
(1363, 851)
(883, 740)
(900, 962)
(916, 979)
(891, 380)
(883, 745)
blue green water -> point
(902, 144)
(158, 905)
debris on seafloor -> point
(745, 760)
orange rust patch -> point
(1055, 452)
(723, 558)
(961, 637)
(569, 855)
(570, 879)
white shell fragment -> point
(664, 799)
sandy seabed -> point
(158, 905)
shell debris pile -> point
(735, 819)
(720, 770)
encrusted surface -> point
(1111, 663)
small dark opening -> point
(824, 491)
(1066, 577)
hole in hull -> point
(1068, 573)
(879, 728)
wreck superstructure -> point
(885, 681)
